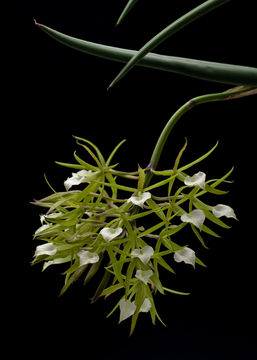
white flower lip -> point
(140, 199)
(223, 210)
(78, 178)
(144, 275)
(143, 254)
(186, 254)
(146, 306)
(195, 217)
(127, 309)
(45, 249)
(87, 257)
(196, 179)
(110, 233)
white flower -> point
(146, 306)
(196, 179)
(110, 233)
(87, 257)
(144, 275)
(143, 254)
(127, 309)
(223, 210)
(78, 178)
(196, 217)
(186, 254)
(139, 199)
(42, 228)
(45, 249)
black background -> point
(58, 92)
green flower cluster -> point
(96, 227)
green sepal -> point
(93, 269)
(213, 190)
(160, 183)
(99, 159)
(209, 231)
(129, 275)
(199, 262)
(72, 166)
(199, 236)
(157, 283)
(164, 264)
(201, 158)
(175, 291)
(116, 265)
(85, 164)
(117, 186)
(111, 289)
(139, 299)
(156, 208)
(153, 310)
(103, 283)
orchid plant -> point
(98, 222)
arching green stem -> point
(226, 95)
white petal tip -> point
(195, 217)
(186, 255)
(140, 199)
(127, 309)
(223, 210)
(196, 179)
(109, 234)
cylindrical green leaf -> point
(205, 70)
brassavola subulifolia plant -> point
(98, 222)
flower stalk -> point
(226, 95)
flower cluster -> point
(92, 227)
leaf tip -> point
(36, 23)
(110, 86)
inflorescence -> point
(93, 227)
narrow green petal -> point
(111, 289)
(72, 166)
(84, 164)
(114, 152)
(175, 291)
(99, 154)
(201, 158)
